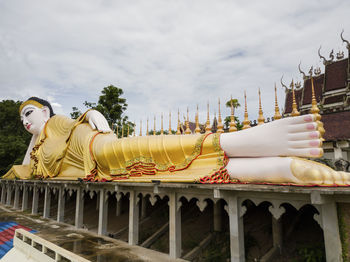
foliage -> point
(112, 106)
(227, 121)
(14, 139)
(76, 113)
(235, 103)
(312, 254)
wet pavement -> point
(84, 243)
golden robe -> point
(69, 149)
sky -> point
(165, 55)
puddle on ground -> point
(93, 248)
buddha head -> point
(35, 112)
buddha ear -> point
(46, 113)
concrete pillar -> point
(236, 229)
(118, 210)
(16, 201)
(133, 218)
(97, 201)
(25, 198)
(35, 200)
(174, 226)
(218, 216)
(47, 202)
(331, 231)
(9, 195)
(61, 205)
(144, 207)
(277, 233)
(79, 208)
(102, 213)
(3, 195)
(337, 153)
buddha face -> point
(34, 118)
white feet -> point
(293, 136)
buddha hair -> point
(44, 103)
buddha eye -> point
(28, 113)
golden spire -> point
(207, 126)
(147, 128)
(178, 131)
(122, 130)
(197, 130)
(246, 122)
(170, 133)
(117, 131)
(140, 127)
(220, 125)
(261, 118)
(161, 129)
(134, 129)
(188, 130)
(315, 110)
(233, 127)
(295, 111)
(277, 110)
(154, 129)
(128, 130)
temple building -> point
(332, 92)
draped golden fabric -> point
(69, 149)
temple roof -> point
(336, 75)
(318, 85)
(337, 126)
(289, 100)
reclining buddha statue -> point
(86, 148)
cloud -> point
(165, 55)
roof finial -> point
(261, 118)
(170, 131)
(161, 128)
(233, 127)
(301, 72)
(246, 122)
(154, 128)
(207, 126)
(340, 55)
(295, 111)
(187, 122)
(277, 110)
(147, 133)
(197, 130)
(178, 131)
(345, 41)
(140, 127)
(325, 62)
(220, 125)
(285, 87)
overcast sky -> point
(165, 55)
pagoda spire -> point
(188, 130)
(178, 131)
(315, 110)
(261, 118)
(128, 134)
(246, 122)
(161, 122)
(147, 133)
(117, 131)
(154, 128)
(122, 130)
(220, 125)
(233, 127)
(197, 130)
(277, 110)
(207, 126)
(295, 111)
(170, 132)
(140, 127)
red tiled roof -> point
(333, 99)
(318, 85)
(337, 125)
(289, 100)
(336, 75)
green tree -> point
(112, 106)
(14, 139)
(227, 120)
(76, 113)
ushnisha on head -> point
(35, 112)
